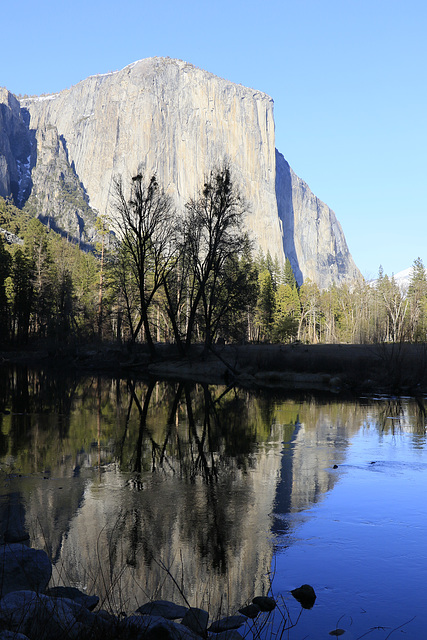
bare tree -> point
(213, 234)
(146, 221)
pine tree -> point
(417, 298)
(288, 275)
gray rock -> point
(250, 611)
(196, 620)
(15, 149)
(43, 618)
(305, 595)
(153, 627)
(225, 624)
(12, 519)
(231, 634)
(36, 616)
(163, 608)
(178, 121)
(265, 603)
(141, 624)
(313, 239)
(90, 602)
(168, 630)
(23, 568)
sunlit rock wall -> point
(169, 118)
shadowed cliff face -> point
(167, 117)
(313, 239)
(15, 150)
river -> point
(216, 494)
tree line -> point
(183, 279)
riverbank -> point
(342, 368)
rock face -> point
(170, 118)
(15, 149)
(313, 239)
(57, 197)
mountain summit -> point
(61, 153)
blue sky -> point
(348, 79)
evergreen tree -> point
(5, 266)
(288, 275)
(265, 305)
(20, 294)
(417, 298)
(286, 313)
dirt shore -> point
(382, 368)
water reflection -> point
(120, 478)
(127, 483)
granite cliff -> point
(166, 117)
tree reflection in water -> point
(119, 479)
(205, 433)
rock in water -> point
(90, 602)
(196, 620)
(228, 623)
(163, 608)
(39, 616)
(265, 603)
(305, 595)
(250, 611)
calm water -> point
(140, 491)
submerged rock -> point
(250, 611)
(305, 595)
(265, 603)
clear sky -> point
(348, 79)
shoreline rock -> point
(28, 609)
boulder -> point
(163, 608)
(265, 603)
(23, 568)
(196, 620)
(225, 624)
(11, 635)
(90, 602)
(156, 628)
(305, 595)
(250, 611)
(43, 618)
(231, 634)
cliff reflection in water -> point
(119, 480)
